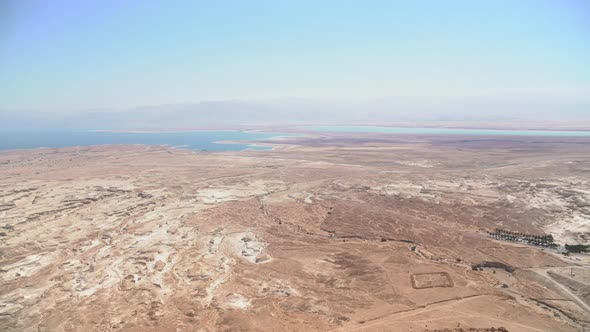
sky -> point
(72, 55)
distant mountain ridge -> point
(304, 111)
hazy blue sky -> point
(84, 54)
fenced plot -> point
(431, 280)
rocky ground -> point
(331, 233)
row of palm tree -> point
(537, 240)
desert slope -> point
(356, 234)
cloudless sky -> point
(67, 55)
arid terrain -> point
(324, 233)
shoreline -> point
(447, 131)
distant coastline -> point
(448, 131)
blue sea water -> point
(447, 131)
(197, 140)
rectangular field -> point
(431, 280)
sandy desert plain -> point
(336, 232)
